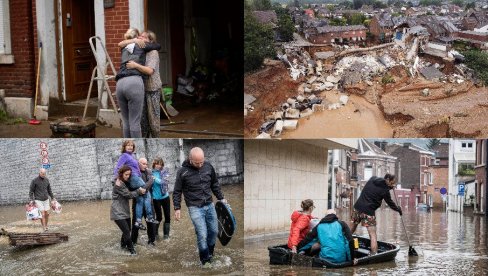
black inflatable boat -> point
(281, 255)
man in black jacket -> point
(197, 180)
(375, 191)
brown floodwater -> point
(448, 243)
(358, 118)
(94, 244)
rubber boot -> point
(156, 230)
(166, 227)
(204, 256)
(131, 249)
(210, 252)
(122, 243)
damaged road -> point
(396, 90)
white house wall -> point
(278, 176)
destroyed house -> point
(474, 19)
(477, 39)
(440, 29)
(338, 34)
(381, 27)
(266, 17)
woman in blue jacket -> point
(334, 237)
(160, 196)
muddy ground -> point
(398, 109)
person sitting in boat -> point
(300, 221)
(374, 192)
(334, 239)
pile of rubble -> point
(321, 74)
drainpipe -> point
(182, 153)
(486, 176)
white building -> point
(461, 162)
(279, 174)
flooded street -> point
(447, 243)
(94, 244)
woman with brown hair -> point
(150, 121)
(120, 210)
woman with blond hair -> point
(130, 85)
(150, 122)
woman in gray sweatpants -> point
(130, 86)
(130, 95)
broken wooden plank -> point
(23, 239)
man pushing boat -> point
(375, 191)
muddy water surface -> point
(94, 244)
(447, 243)
(358, 118)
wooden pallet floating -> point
(30, 239)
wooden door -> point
(78, 26)
(157, 20)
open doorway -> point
(78, 25)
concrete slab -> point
(290, 124)
(248, 99)
(19, 107)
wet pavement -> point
(203, 121)
(94, 244)
(448, 243)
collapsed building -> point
(411, 66)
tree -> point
(434, 142)
(357, 4)
(379, 5)
(356, 19)
(478, 61)
(286, 28)
(338, 22)
(262, 5)
(458, 3)
(470, 5)
(258, 42)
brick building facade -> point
(67, 61)
(337, 34)
(413, 172)
(440, 175)
(481, 192)
(83, 169)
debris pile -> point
(403, 70)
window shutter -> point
(2, 28)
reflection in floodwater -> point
(94, 244)
(448, 243)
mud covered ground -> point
(398, 109)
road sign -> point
(46, 166)
(443, 191)
(43, 145)
(461, 189)
(444, 197)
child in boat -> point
(300, 221)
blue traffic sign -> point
(443, 191)
(46, 166)
(461, 188)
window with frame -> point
(5, 44)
